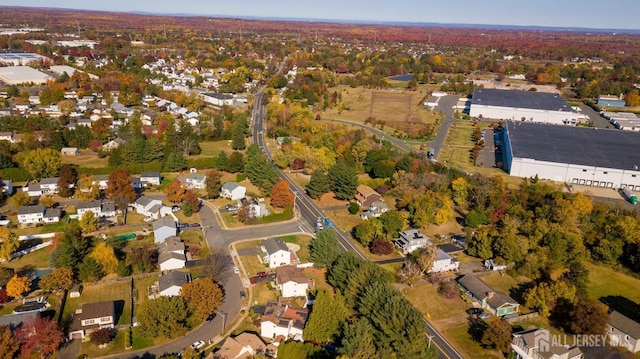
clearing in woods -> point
(398, 112)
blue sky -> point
(614, 14)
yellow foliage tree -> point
(105, 255)
(89, 222)
(203, 296)
(18, 286)
(8, 243)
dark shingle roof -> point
(272, 245)
(521, 99)
(172, 278)
(481, 290)
(576, 145)
(624, 324)
(31, 209)
(164, 222)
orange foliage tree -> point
(281, 195)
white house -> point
(52, 215)
(171, 260)
(194, 180)
(31, 214)
(291, 282)
(7, 187)
(282, 318)
(164, 228)
(537, 343)
(233, 191)
(150, 207)
(276, 253)
(217, 99)
(443, 262)
(33, 190)
(150, 178)
(376, 209)
(91, 317)
(49, 185)
(254, 208)
(101, 180)
(172, 244)
(170, 284)
(69, 151)
(99, 208)
(244, 345)
(411, 240)
(623, 331)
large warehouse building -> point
(15, 75)
(523, 106)
(21, 58)
(578, 155)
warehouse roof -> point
(576, 145)
(12, 75)
(521, 99)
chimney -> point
(490, 295)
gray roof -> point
(575, 145)
(532, 337)
(144, 201)
(52, 212)
(481, 290)
(230, 186)
(31, 209)
(90, 204)
(101, 177)
(164, 222)
(165, 256)
(219, 96)
(98, 310)
(49, 180)
(13, 321)
(150, 174)
(196, 176)
(624, 324)
(171, 244)
(521, 99)
(272, 245)
(172, 278)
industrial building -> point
(21, 58)
(577, 155)
(61, 69)
(14, 75)
(526, 106)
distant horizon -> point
(576, 15)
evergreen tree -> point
(326, 318)
(221, 161)
(358, 340)
(258, 169)
(236, 162)
(318, 185)
(344, 180)
(324, 248)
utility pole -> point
(224, 320)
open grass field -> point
(468, 347)
(213, 148)
(86, 158)
(460, 134)
(399, 109)
(33, 260)
(503, 282)
(606, 281)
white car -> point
(197, 345)
(236, 270)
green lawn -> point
(468, 347)
(426, 299)
(118, 291)
(606, 281)
(460, 135)
(212, 148)
(502, 282)
(33, 260)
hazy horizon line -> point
(355, 21)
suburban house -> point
(171, 260)
(7, 187)
(365, 196)
(490, 264)
(31, 214)
(194, 180)
(49, 185)
(170, 284)
(411, 240)
(172, 244)
(32, 189)
(376, 209)
(233, 191)
(69, 151)
(52, 215)
(115, 143)
(151, 207)
(484, 296)
(242, 346)
(217, 99)
(164, 228)
(254, 208)
(443, 262)
(283, 319)
(277, 254)
(91, 317)
(75, 291)
(101, 180)
(291, 282)
(99, 208)
(150, 178)
(538, 344)
(623, 331)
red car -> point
(262, 275)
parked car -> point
(194, 225)
(484, 315)
(197, 345)
(236, 270)
(243, 294)
(183, 225)
(475, 311)
(175, 209)
(262, 274)
(231, 208)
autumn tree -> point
(5, 275)
(8, 243)
(202, 297)
(102, 336)
(164, 316)
(106, 256)
(410, 273)
(120, 190)
(41, 337)
(281, 195)
(324, 248)
(498, 335)
(21, 198)
(89, 222)
(67, 178)
(392, 223)
(175, 191)
(213, 183)
(59, 279)
(587, 316)
(47, 201)
(544, 296)
(381, 247)
(191, 202)
(18, 286)
(9, 344)
(366, 231)
(42, 162)
(424, 257)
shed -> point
(76, 291)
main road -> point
(310, 212)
